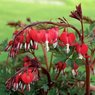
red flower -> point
(68, 39)
(26, 59)
(27, 77)
(82, 49)
(33, 34)
(75, 68)
(9, 45)
(16, 82)
(19, 40)
(53, 35)
(60, 66)
(49, 36)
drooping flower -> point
(53, 36)
(47, 37)
(60, 65)
(9, 45)
(16, 81)
(21, 41)
(82, 49)
(25, 77)
(30, 38)
(29, 76)
(75, 69)
(67, 39)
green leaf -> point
(79, 61)
(3, 45)
(91, 26)
(52, 91)
(70, 62)
(45, 87)
(75, 55)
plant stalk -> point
(82, 38)
(51, 61)
(87, 77)
(45, 56)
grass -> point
(11, 10)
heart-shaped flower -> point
(75, 69)
(27, 77)
(60, 65)
(67, 39)
(82, 49)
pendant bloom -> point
(75, 69)
(60, 66)
(82, 49)
(28, 75)
(67, 39)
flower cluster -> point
(68, 39)
(24, 77)
(30, 38)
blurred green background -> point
(37, 10)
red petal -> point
(75, 66)
(27, 77)
(33, 34)
(71, 38)
(84, 49)
(64, 37)
(64, 66)
(41, 36)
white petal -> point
(20, 46)
(73, 72)
(67, 49)
(16, 86)
(36, 44)
(19, 83)
(55, 44)
(31, 43)
(47, 47)
(28, 46)
(29, 87)
(80, 56)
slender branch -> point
(56, 77)
(49, 22)
(45, 56)
(87, 77)
(48, 75)
(51, 61)
(82, 38)
(87, 64)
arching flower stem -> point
(45, 56)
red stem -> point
(87, 77)
(87, 64)
(57, 75)
(82, 38)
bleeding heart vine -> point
(51, 36)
